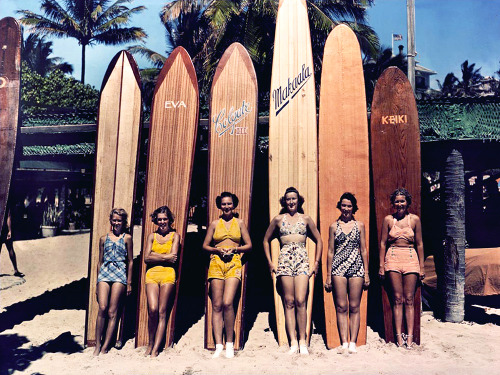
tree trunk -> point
(83, 63)
(454, 243)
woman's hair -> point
(163, 210)
(349, 197)
(123, 214)
(227, 194)
(301, 200)
(401, 191)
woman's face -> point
(162, 221)
(116, 223)
(400, 204)
(226, 205)
(346, 208)
(291, 201)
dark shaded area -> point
(14, 358)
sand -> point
(42, 325)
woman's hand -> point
(272, 269)
(367, 280)
(129, 289)
(328, 284)
(422, 273)
(381, 272)
(315, 269)
(172, 258)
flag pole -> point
(410, 15)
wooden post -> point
(410, 19)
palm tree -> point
(470, 77)
(450, 85)
(88, 21)
(36, 51)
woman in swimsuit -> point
(160, 257)
(226, 239)
(114, 275)
(347, 265)
(401, 235)
(293, 227)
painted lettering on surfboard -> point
(227, 124)
(283, 94)
(169, 104)
(394, 119)
(3, 82)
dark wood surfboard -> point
(172, 139)
(293, 141)
(118, 130)
(231, 150)
(10, 67)
(395, 148)
(344, 160)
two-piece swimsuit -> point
(347, 260)
(402, 259)
(114, 268)
(228, 266)
(161, 274)
(293, 259)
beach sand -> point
(42, 324)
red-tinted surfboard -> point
(343, 152)
(172, 139)
(395, 152)
(231, 150)
(10, 65)
(118, 130)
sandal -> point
(18, 274)
(410, 345)
(403, 340)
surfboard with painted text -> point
(10, 67)
(117, 146)
(344, 160)
(293, 147)
(395, 152)
(172, 139)
(231, 150)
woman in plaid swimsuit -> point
(293, 227)
(114, 277)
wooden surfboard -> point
(172, 139)
(343, 152)
(395, 142)
(118, 129)
(231, 154)
(10, 67)
(293, 147)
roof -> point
(422, 69)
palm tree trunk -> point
(83, 63)
(454, 243)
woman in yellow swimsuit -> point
(227, 238)
(160, 257)
(402, 259)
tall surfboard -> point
(293, 147)
(10, 67)
(231, 154)
(118, 130)
(172, 139)
(395, 147)
(344, 160)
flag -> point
(397, 37)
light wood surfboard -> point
(344, 159)
(293, 147)
(172, 139)
(10, 65)
(118, 129)
(231, 153)
(395, 143)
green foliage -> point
(42, 94)
(51, 216)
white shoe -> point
(229, 350)
(341, 349)
(218, 350)
(293, 349)
(303, 350)
(352, 347)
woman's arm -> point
(331, 253)
(208, 240)
(9, 227)
(420, 245)
(101, 252)
(267, 238)
(246, 238)
(150, 257)
(383, 245)
(364, 253)
(316, 237)
(130, 261)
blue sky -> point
(448, 32)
